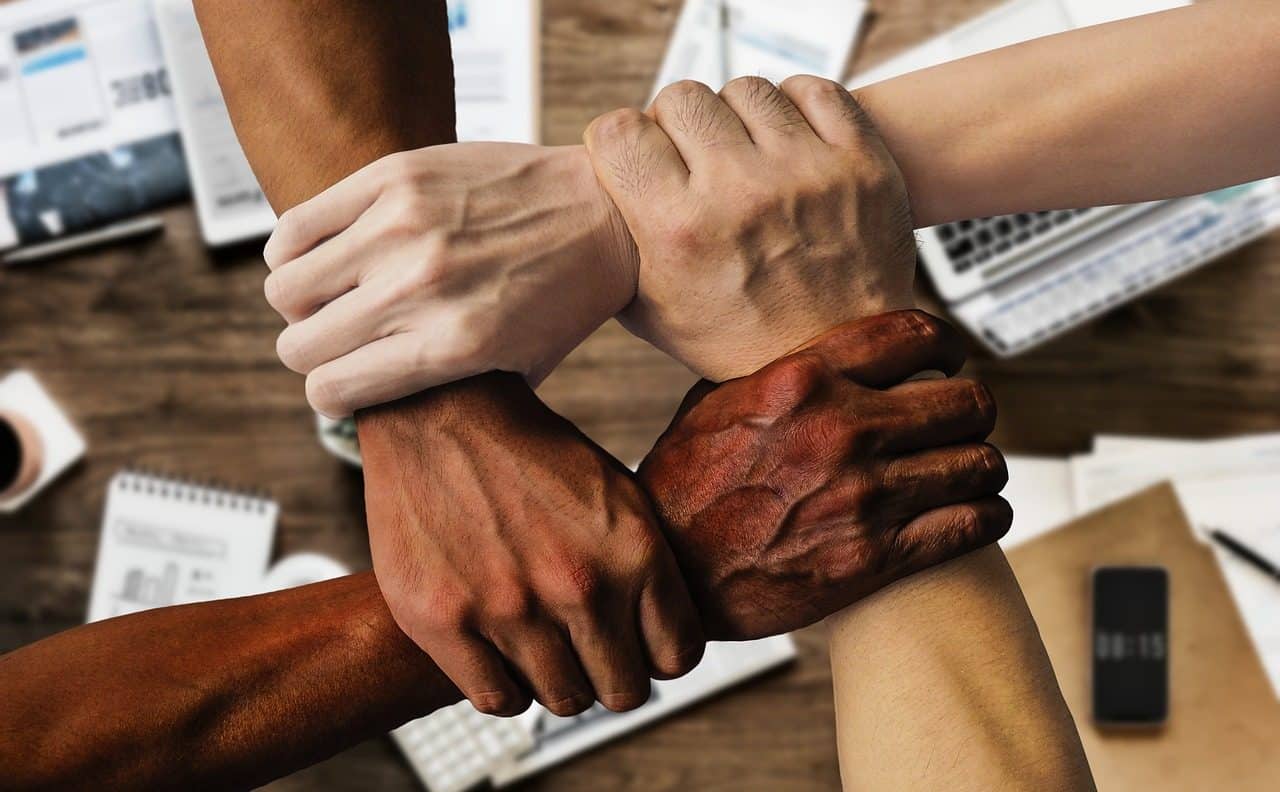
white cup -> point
(21, 455)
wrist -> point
(616, 252)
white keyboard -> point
(457, 748)
(1064, 293)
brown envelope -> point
(1224, 719)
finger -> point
(947, 533)
(767, 113)
(308, 224)
(890, 348)
(634, 159)
(344, 325)
(699, 123)
(934, 413)
(611, 654)
(385, 370)
(670, 625)
(544, 658)
(830, 111)
(479, 672)
(929, 480)
(298, 288)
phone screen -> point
(1130, 645)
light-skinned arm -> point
(1158, 106)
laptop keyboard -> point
(974, 243)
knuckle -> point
(580, 586)
(988, 461)
(614, 125)
(812, 87)
(444, 610)
(748, 87)
(568, 706)
(395, 167)
(984, 403)
(406, 213)
(680, 661)
(924, 326)
(464, 344)
(794, 380)
(631, 698)
(277, 293)
(509, 604)
(324, 394)
(291, 351)
(681, 91)
(500, 703)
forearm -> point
(942, 681)
(319, 88)
(227, 694)
(1153, 107)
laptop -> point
(1018, 280)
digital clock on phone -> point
(1130, 646)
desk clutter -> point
(168, 541)
(1227, 488)
(1223, 718)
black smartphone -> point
(1130, 646)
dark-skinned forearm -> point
(318, 89)
(223, 694)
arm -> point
(232, 694)
(513, 542)
(228, 694)
(1156, 106)
(942, 681)
(1122, 122)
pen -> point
(1244, 553)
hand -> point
(762, 216)
(822, 478)
(516, 552)
(429, 266)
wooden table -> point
(163, 353)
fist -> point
(825, 476)
(762, 217)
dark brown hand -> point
(823, 477)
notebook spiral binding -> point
(211, 493)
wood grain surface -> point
(164, 355)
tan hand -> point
(762, 217)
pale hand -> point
(433, 265)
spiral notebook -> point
(171, 542)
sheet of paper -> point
(171, 543)
(1248, 509)
(763, 38)
(497, 74)
(1102, 478)
(1039, 490)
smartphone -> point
(1130, 646)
